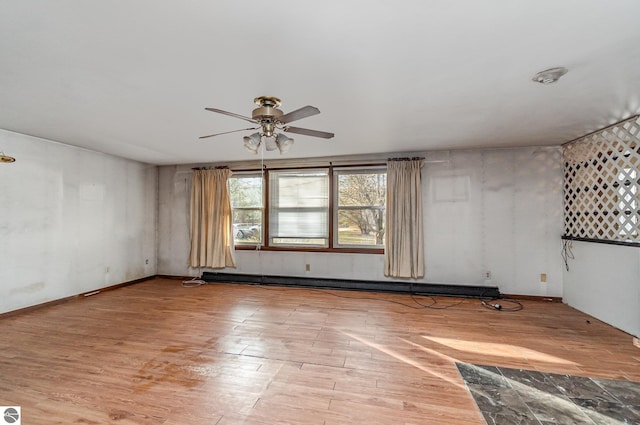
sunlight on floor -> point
(497, 349)
(430, 351)
(411, 362)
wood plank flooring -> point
(158, 353)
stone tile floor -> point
(526, 397)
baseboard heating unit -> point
(468, 291)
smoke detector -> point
(549, 76)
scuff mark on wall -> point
(29, 289)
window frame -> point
(271, 209)
(337, 172)
(332, 245)
(261, 209)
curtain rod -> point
(406, 158)
(219, 167)
(435, 156)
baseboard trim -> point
(174, 277)
(112, 287)
(31, 308)
(64, 300)
(533, 298)
(440, 289)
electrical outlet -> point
(307, 267)
(146, 261)
(486, 275)
(543, 277)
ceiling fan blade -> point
(307, 132)
(298, 114)
(231, 114)
(227, 132)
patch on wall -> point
(450, 188)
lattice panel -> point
(602, 184)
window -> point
(360, 212)
(323, 209)
(247, 208)
(299, 208)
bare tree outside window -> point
(361, 207)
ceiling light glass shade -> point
(252, 143)
(270, 143)
(284, 143)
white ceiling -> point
(132, 77)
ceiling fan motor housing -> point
(267, 114)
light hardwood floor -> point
(158, 353)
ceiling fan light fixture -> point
(284, 143)
(252, 143)
(6, 158)
(270, 121)
(270, 143)
(549, 76)
(268, 129)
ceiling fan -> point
(270, 120)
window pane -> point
(361, 227)
(246, 192)
(299, 190)
(247, 226)
(362, 189)
(299, 207)
(301, 223)
(361, 207)
(246, 204)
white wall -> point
(71, 220)
(484, 210)
(604, 281)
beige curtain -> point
(211, 221)
(404, 247)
